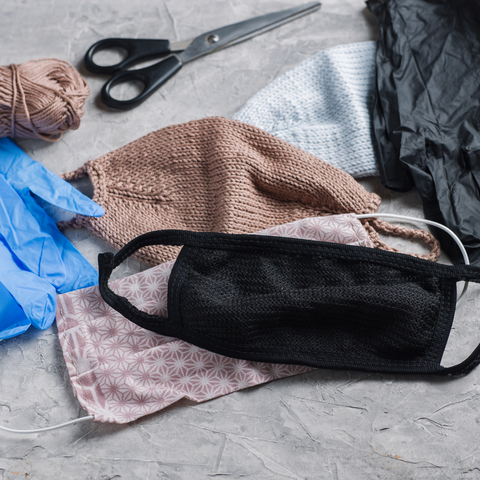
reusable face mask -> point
(36, 260)
(218, 175)
(289, 300)
(323, 106)
(120, 372)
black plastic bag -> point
(426, 119)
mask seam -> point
(447, 319)
(352, 224)
(181, 275)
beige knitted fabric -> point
(218, 175)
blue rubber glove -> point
(27, 176)
(36, 259)
(79, 272)
(13, 319)
(36, 297)
(23, 235)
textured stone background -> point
(322, 425)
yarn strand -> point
(41, 99)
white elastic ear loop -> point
(428, 222)
(46, 429)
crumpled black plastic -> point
(426, 120)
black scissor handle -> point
(152, 78)
(137, 50)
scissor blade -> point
(214, 40)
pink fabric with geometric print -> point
(120, 372)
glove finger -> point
(22, 234)
(58, 192)
(22, 172)
(36, 296)
(79, 272)
(13, 320)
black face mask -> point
(288, 300)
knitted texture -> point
(323, 107)
(217, 175)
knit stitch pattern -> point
(218, 175)
(323, 107)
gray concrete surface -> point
(321, 425)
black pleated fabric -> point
(287, 300)
(426, 121)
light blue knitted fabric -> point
(323, 107)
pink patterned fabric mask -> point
(120, 372)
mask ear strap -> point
(428, 222)
(47, 429)
(472, 361)
(107, 262)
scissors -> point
(153, 76)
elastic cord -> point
(47, 429)
(428, 222)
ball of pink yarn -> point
(41, 99)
